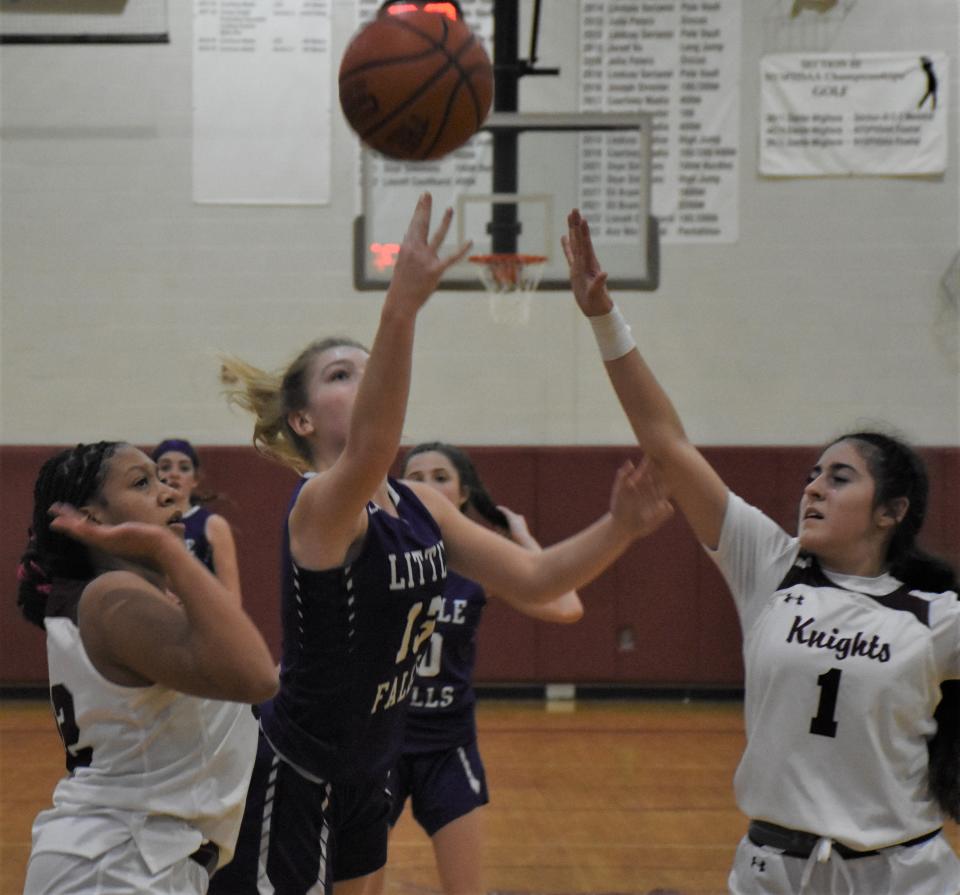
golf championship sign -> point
(853, 113)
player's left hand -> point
(587, 278)
(139, 542)
(518, 530)
(639, 503)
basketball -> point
(415, 86)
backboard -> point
(536, 158)
(557, 170)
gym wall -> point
(660, 617)
(118, 294)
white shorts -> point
(121, 871)
(116, 853)
(930, 868)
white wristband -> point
(613, 335)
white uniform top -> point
(843, 677)
(172, 769)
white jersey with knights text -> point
(843, 677)
(172, 769)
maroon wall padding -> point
(661, 616)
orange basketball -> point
(415, 86)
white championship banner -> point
(853, 113)
(262, 100)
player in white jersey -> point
(153, 665)
(851, 644)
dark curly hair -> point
(53, 560)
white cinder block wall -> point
(118, 292)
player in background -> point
(440, 769)
(366, 558)
(851, 645)
(153, 665)
(208, 535)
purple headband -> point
(175, 444)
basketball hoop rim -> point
(516, 257)
(509, 275)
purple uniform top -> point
(351, 640)
(195, 534)
(441, 713)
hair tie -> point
(34, 573)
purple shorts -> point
(442, 786)
(306, 832)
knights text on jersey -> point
(843, 677)
(441, 713)
(146, 751)
(351, 640)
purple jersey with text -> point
(441, 713)
(351, 640)
(195, 534)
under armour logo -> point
(759, 863)
(797, 597)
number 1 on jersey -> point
(822, 723)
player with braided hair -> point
(440, 769)
(153, 665)
(71, 478)
(851, 645)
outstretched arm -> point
(220, 536)
(637, 508)
(565, 609)
(692, 483)
(201, 643)
(328, 516)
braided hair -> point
(478, 498)
(51, 559)
(898, 471)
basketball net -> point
(510, 280)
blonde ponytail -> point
(271, 397)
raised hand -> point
(587, 279)
(517, 528)
(419, 266)
(137, 541)
(638, 502)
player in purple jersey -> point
(440, 769)
(851, 645)
(151, 660)
(208, 535)
(365, 562)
